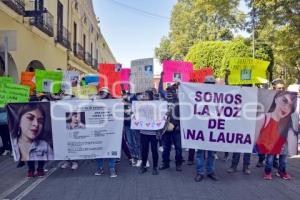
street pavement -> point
(129, 185)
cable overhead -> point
(139, 10)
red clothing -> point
(270, 140)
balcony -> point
(63, 36)
(95, 64)
(44, 22)
(88, 59)
(17, 5)
(78, 51)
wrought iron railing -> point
(44, 22)
(88, 59)
(78, 51)
(17, 5)
(63, 37)
(95, 63)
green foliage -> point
(277, 24)
(200, 20)
(217, 54)
(210, 53)
(164, 51)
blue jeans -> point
(133, 145)
(167, 139)
(282, 163)
(111, 163)
(236, 159)
(210, 165)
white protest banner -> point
(141, 76)
(70, 80)
(149, 115)
(217, 118)
(68, 130)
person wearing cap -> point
(200, 155)
(104, 93)
(172, 135)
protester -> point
(236, 157)
(200, 156)
(104, 93)
(73, 122)
(273, 129)
(129, 133)
(146, 138)
(172, 135)
(235, 162)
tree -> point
(201, 20)
(164, 51)
(277, 23)
(217, 54)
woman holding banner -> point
(27, 137)
(273, 128)
(147, 137)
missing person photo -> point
(118, 68)
(74, 81)
(47, 85)
(177, 77)
(75, 120)
(274, 124)
(30, 130)
(148, 70)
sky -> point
(130, 33)
(133, 28)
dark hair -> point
(150, 94)
(17, 116)
(70, 115)
(286, 122)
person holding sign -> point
(27, 138)
(273, 128)
(146, 138)
(200, 156)
(104, 93)
(172, 134)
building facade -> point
(53, 34)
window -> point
(60, 14)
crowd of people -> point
(135, 143)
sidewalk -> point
(168, 185)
